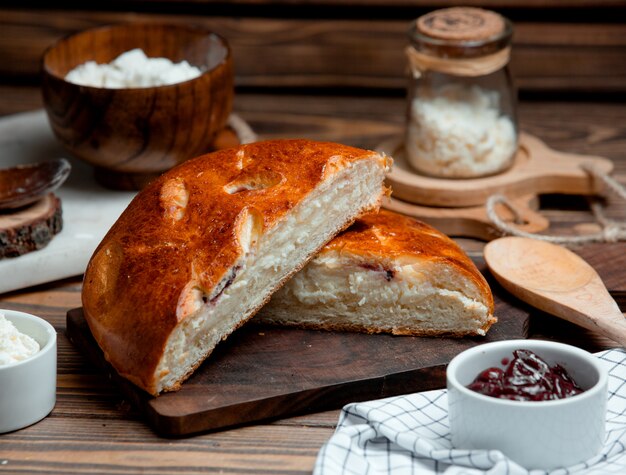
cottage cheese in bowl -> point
(28, 369)
(14, 345)
(132, 69)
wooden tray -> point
(473, 221)
(263, 372)
(537, 169)
(266, 372)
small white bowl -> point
(28, 387)
(535, 434)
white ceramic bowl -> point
(535, 434)
(28, 387)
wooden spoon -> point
(557, 281)
(25, 184)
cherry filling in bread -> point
(229, 280)
(389, 273)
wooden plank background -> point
(568, 46)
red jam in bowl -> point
(526, 378)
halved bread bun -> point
(387, 273)
(204, 246)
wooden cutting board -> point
(473, 221)
(536, 169)
(264, 372)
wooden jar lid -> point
(461, 24)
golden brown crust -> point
(183, 228)
(393, 238)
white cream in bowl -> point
(14, 345)
(28, 384)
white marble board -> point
(89, 210)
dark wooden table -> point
(92, 428)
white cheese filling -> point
(333, 290)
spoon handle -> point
(590, 306)
(614, 328)
(610, 324)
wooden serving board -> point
(263, 372)
(473, 221)
(536, 169)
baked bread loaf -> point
(387, 273)
(204, 246)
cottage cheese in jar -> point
(459, 132)
(461, 120)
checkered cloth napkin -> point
(410, 435)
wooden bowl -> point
(133, 135)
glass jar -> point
(461, 118)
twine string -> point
(420, 63)
(610, 182)
(612, 231)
